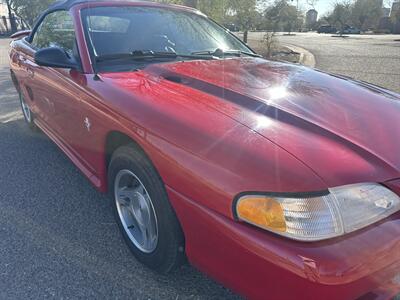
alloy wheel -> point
(136, 211)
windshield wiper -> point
(221, 53)
(147, 54)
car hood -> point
(346, 131)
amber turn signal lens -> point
(262, 211)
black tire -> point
(169, 252)
(28, 116)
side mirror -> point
(55, 57)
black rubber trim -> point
(277, 195)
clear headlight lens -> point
(343, 210)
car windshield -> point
(113, 31)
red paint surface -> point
(233, 126)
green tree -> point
(341, 15)
(289, 18)
(245, 14)
(272, 14)
(395, 18)
(11, 17)
(217, 10)
(191, 3)
(283, 16)
(366, 13)
(242, 12)
(29, 10)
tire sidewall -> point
(30, 122)
(129, 160)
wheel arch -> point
(116, 139)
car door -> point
(55, 89)
(58, 91)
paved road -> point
(375, 59)
(58, 238)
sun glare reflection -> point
(263, 122)
(277, 92)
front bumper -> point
(261, 265)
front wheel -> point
(143, 212)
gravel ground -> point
(58, 238)
(372, 58)
(279, 52)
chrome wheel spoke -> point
(124, 201)
(136, 211)
(145, 237)
(140, 189)
(148, 229)
(126, 193)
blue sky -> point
(323, 6)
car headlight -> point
(339, 211)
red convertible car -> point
(279, 181)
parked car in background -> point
(351, 30)
(326, 29)
(232, 27)
(279, 181)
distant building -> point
(311, 18)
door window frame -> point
(39, 22)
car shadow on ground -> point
(58, 237)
